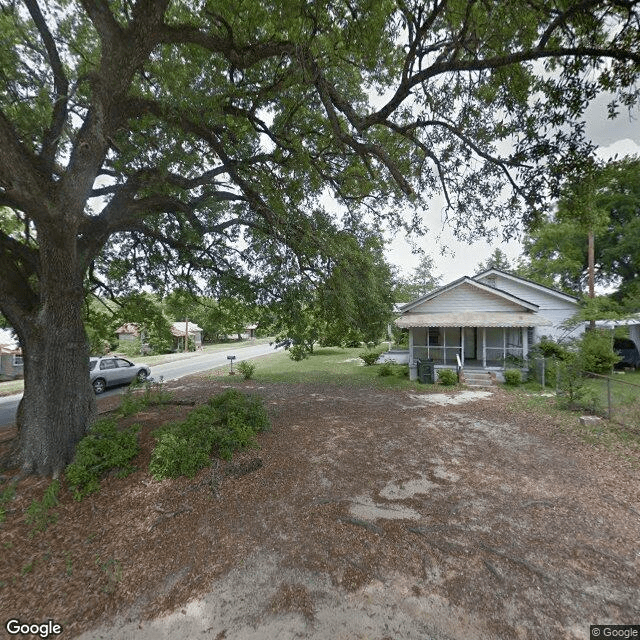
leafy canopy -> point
(153, 140)
(557, 248)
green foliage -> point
(298, 352)
(153, 393)
(548, 348)
(513, 377)
(104, 449)
(6, 495)
(557, 248)
(348, 304)
(39, 512)
(497, 260)
(370, 357)
(385, 369)
(227, 423)
(573, 388)
(447, 377)
(144, 310)
(597, 308)
(247, 369)
(422, 280)
(596, 352)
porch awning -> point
(471, 319)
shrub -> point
(370, 357)
(447, 377)
(512, 377)
(548, 348)
(227, 423)
(247, 369)
(104, 448)
(596, 352)
(299, 352)
(385, 370)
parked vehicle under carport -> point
(628, 352)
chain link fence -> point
(606, 396)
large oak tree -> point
(158, 137)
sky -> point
(620, 136)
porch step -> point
(477, 378)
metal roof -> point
(472, 319)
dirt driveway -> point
(365, 514)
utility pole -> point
(186, 335)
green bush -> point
(596, 352)
(227, 423)
(247, 369)
(103, 449)
(385, 370)
(512, 377)
(548, 348)
(370, 357)
(447, 377)
(298, 352)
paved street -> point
(169, 371)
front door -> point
(470, 343)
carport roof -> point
(472, 319)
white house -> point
(488, 321)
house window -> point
(17, 361)
(433, 336)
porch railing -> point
(495, 356)
(439, 355)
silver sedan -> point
(110, 371)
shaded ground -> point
(365, 514)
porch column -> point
(525, 343)
(444, 345)
(504, 347)
(413, 369)
(462, 343)
(484, 347)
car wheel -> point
(142, 375)
(99, 385)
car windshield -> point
(92, 364)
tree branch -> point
(61, 87)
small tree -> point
(596, 352)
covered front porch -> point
(470, 346)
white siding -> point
(552, 307)
(466, 298)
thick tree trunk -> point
(58, 403)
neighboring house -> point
(488, 321)
(248, 333)
(11, 366)
(179, 329)
(128, 332)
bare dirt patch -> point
(364, 514)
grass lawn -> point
(624, 392)
(331, 365)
